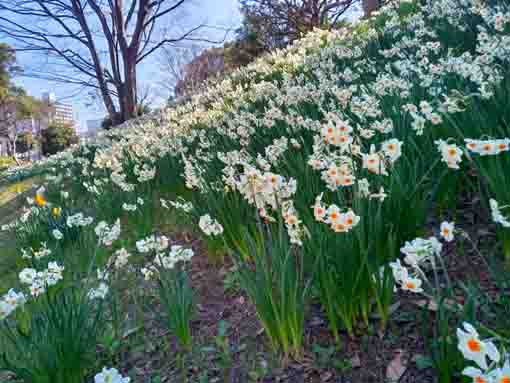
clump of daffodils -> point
(167, 261)
(210, 226)
(42, 252)
(420, 251)
(107, 234)
(489, 367)
(110, 375)
(179, 204)
(265, 190)
(339, 221)
(488, 147)
(78, 220)
(152, 243)
(420, 254)
(39, 281)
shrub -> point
(57, 137)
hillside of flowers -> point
(338, 211)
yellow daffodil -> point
(39, 200)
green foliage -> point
(176, 297)
(274, 280)
(57, 341)
(25, 142)
(7, 67)
(6, 162)
(57, 137)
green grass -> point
(12, 199)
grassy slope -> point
(12, 198)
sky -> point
(218, 13)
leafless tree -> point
(96, 44)
(278, 22)
(173, 62)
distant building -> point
(58, 112)
(92, 127)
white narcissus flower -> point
(420, 250)
(447, 230)
(100, 292)
(27, 276)
(392, 149)
(373, 162)
(110, 375)
(10, 302)
(451, 154)
(472, 348)
(476, 374)
(399, 272)
(121, 258)
(412, 284)
(210, 226)
(501, 375)
(57, 234)
(497, 216)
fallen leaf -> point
(396, 368)
(355, 361)
(433, 306)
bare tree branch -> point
(99, 42)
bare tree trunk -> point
(370, 6)
(100, 43)
(130, 87)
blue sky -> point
(221, 13)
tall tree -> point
(7, 66)
(100, 42)
(276, 23)
(15, 105)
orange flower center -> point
(505, 379)
(410, 285)
(502, 146)
(452, 152)
(350, 221)
(474, 345)
(487, 147)
(479, 379)
(472, 145)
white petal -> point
(492, 351)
